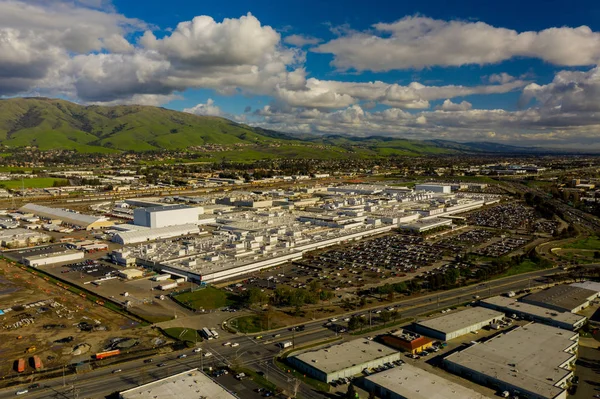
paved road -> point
(251, 352)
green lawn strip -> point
(524, 267)
(36, 182)
(252, 324)
(183, 334)
(592, 243)
(382, 327)
(205, 298)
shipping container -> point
(37, 362)
(21, 365)
(104, 355)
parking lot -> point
(502, 246)
(504, 216)
(244, 388)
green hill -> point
(52, 124)
(58, 124)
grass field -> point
(524, 267)
(183, 334)
(36, 182)
(206, 298)
(253, 324)
(592, 243)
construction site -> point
(45, 325)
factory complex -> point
(533, 361)
(343, 360)
(189, 384)
(454, 325)
(230, 236)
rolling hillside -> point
(59, 124)
(52, 123)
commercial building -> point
(56, 257)
(18, 237)
(164, 216)
(423, 225)
(456, 324)
(67, 217)
(189, 384)
(343, 360)
(410, 382)
(129, 274)
(588, 285)
(406, 341)
(533, 361)
(527, 311)
(436, 188)
(144, 235)
(563, 298)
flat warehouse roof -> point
(527, 357)
(189, 384)
(455, 321)
(78, 219)
(562, 296)
(412, 382)
(539, 311)
(339, 357)
(588, 285)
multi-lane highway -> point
(252, 352)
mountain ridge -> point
(59, 124)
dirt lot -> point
(41, 317)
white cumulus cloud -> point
(208, 109)
(420, 42)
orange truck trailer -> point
(37, 362)
(104, 355)
(21, 365)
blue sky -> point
(520, 72)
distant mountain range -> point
(59, 124)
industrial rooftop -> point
(189, 384)
(563, 297)
(529, 357)
(455, 321)
(345, 355)
(541, 312)
(412, 382)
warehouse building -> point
(343, 360)
(129, 274)
(527, 311)
(164, 216)
(435, 188)
(421, 226)
(456, 324)
(18, 238)
(52, 258)
(563, 298)
(67, 217)
(189, 384)
(161, 233)
(533, 361)
(410, 382)
(406, 341)
(588, 285)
